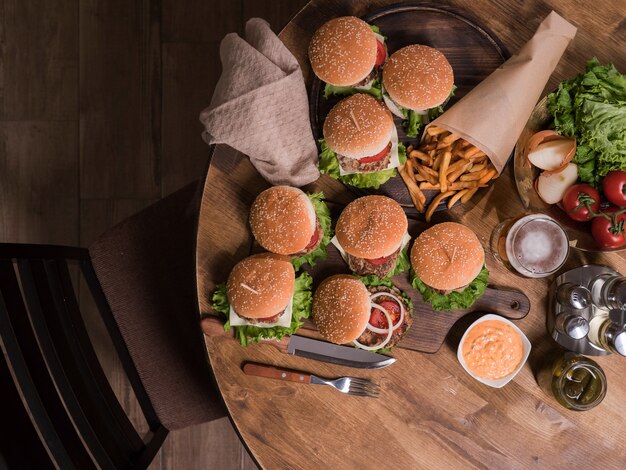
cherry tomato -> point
(614, 188)
(379, 156)
(578, 199)
(609, 233)
(378, 261)
(381, 53)
(314, 238)
(378, 318)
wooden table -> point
(431, 413)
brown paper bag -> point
(493, 115)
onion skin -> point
(547, 136)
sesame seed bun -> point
(343, 51)
(261, 286)
(282, 219)
(371, 227)
(447, 256)
(418, 77)
(341, 308)
(358, 126)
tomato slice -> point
(378, 261)
(381, 53)
(379, 156)
(314, 238)
(378, 318)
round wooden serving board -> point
(472, 50)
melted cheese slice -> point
(405, 241)
(284, 320)
(394, 161)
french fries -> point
(447, 163)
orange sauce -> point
(492, 349)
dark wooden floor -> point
(99, 104)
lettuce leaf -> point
(453, 300)
(330, 165)
(403, 263)
(413, 123)
(302, 300)
(375, 90)
(592, 108)
(323, 215)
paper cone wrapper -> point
(493, 115)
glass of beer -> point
(533, 245)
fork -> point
(350, 385)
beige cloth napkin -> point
(493, 115)
(260, 107)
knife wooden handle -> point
(271, 372)
(213, 326)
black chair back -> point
(51, 373)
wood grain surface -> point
(431, 414)
(99, 105)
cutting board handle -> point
(508, 302)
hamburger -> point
(263, 299)
(348, 309)
(347, 54)
(417, 83)
(371, 235)
(360, 145)
(286, 221)
(448, 266)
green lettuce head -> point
(302, 300)
(592, 108)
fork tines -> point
(363, 388)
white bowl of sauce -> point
(493, 350)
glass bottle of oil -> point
(575, 381)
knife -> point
(311, 348)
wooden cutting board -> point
(236, 184)
(429, 328)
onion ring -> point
(387, 339)
(400, 304)
(546, 136)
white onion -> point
(398, 301)
(375, 329)
(389, 334)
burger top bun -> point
(261, 286)
(447, 256)
(343, 51)
(341, 308)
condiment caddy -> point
(587, 310)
